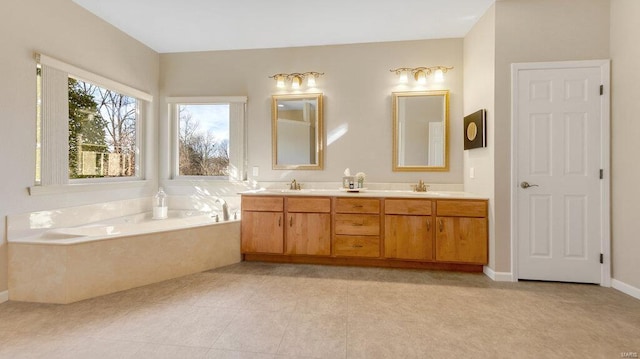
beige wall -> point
(357, 86)
(625, 127)
(535, 31)
(479, 85)
(62, 30)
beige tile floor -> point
(258, 310)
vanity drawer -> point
(262, 204)
(357, 205)
(461, 208)
(356, 246)
(357, 224)
(407, 206)
(309, 204)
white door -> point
(558, 114)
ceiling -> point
(204, 25)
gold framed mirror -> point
(421, 131)
(297, 132)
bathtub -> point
(71, 263)
(129, 225)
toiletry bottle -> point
(160, 205)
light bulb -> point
(311, 81)
(295, 82)
(404, 78)
(439, 75)
(280, 82)
(421, 77)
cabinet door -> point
(262, 232)
(309, 233)
(461, 239)
(408, 237)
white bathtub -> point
(67, 264)
(135, 224)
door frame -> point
(605, 137)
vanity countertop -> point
(364, 193)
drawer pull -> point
(440, 223)
(358, 224)
(291, 221)
(358, 246)
(357, 206)
(428, 225)
(279, 221)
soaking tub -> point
(134, 224)
(71, 263)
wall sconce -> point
(420, 73)
(296, 79)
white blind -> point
(55, 127)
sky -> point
(212, 118)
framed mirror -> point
(421, 131)
(297, 132)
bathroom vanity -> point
(379, 228)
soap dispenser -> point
(160, 205)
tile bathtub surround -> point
(68, 273)
(258, 310)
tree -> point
(200, 153)
(85, 124)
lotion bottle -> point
(160, 205)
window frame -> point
(143, 101)
(139, 158)
(236, 125)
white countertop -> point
(364, 193)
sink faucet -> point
(294, 185)
(225, 209)
(421, 187)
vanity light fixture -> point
(420, 74)
(296, 79)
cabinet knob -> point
(279, 221)
(440, 224)
(291, 221)
(428, 224)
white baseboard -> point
(626, 288)
(4, 296)
(497, 276)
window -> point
(88, 127)
(203, 140)
(102, 132)
(208, 137)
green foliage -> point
(85, 122)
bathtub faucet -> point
(225, 209)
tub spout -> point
(225, 209)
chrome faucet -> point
(420, 187)
(225, 208)
(294, 185)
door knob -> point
(526, 185)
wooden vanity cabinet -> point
(308, 226)
(357, 227)
(262, 224)
(461, 231)
(408, 229)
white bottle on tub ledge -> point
(160, 205)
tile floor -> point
(259, 310)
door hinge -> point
(601, 258)
(601, 90)
(601, 173)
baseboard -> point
(626, 288)
(497, 276)
(4, 296)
